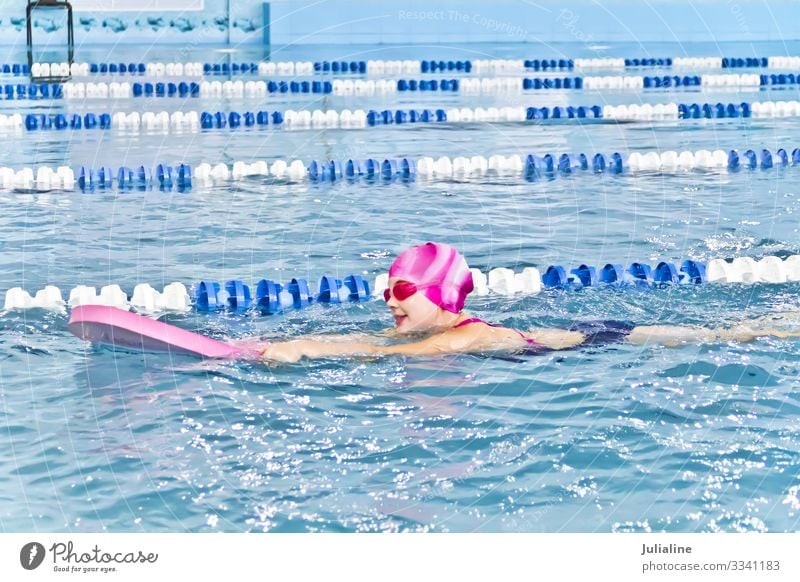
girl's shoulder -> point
(489, 335)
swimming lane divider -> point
(389, 67)
(270, 297)
(193, 121)
(532, 167)
(359, 119)
(283, 68)
(348, 87)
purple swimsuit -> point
(597, 332)
(531, 341)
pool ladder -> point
(58, 4)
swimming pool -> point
(623, 438)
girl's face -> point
(414, 313)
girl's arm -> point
(676, 335)
(260, 344)
(672, 335)
(455, 341)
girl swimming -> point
(427, 287)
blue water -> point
(621, 438)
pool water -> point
(617, 438)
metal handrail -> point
(64, 4)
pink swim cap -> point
(439, 270)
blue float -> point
(124, 177)
(85, 178)
(641, 271)
(586, 274)
(184, 178)
(144, 177)
(353, 168)
(555, 276)
(164, 176)
(694, 271)
(408, 169)
(104, 177)
(612, 273)
(358, 286)
(328, 289)
(301, 294)
(268, 296)
(206, 296)
(667, 273)
(238, 295)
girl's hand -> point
(289, 352)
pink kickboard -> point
(117, 327)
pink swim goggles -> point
(402, 290)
